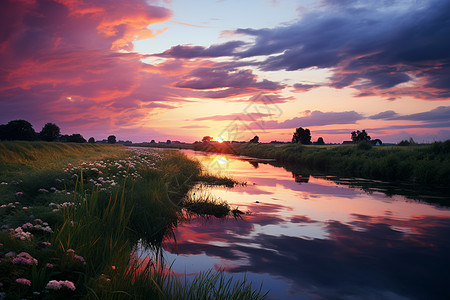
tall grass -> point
(96, 233)
(19, 157)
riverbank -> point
(73, 214)
(424, 164)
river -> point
(306, 237)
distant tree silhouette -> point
(153, 142)
(3, 132)
(207, 139)
(168, 142)
(320, 141)
(111, 139)
(17, 130)
(302, 136)
(376, 142)
(255, 140)
(50, 132)
(91, 140)
(360, 136)
(74, 138)
(407, 143)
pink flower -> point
(70, 251)
(25, 259)
(49, 265)
(56, 285)
(53, 285)
(23, 281)
(69, 284)
(80, 258)
(27, 225)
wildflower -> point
(20, 234)
(53, 285)
(57, 285)
(4, 183)
(23, 281)
(70, 251)
(38, 220)
(10, 254)
(27, 225)
(49, 265)
(19, 194)
(80, 258)
(25, 259)
(43, 191)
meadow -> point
(72, 216)
(422, 164)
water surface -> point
(306, 237)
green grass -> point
(424, 164)
(100, 201)
(200, 202)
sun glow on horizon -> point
(221, 139)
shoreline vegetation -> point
(421, 164)
(73, 217)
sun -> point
(221, 139)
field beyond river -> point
(422, 164)
(72, 216)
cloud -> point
(300, 87)
(213, 78)
(195, 126)
(440, 114)
(186, 51)
(315, 118)
(374, 48)
(240, 116)
(387, 115)
(67, 62)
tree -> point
(255, 140)
(111, 139)
(91, 140)
(320, 141)
(17, 130)
(360, 136)
(74, 138)
(207, 139)
(50, 132)
(153, 142)
(302, 136)
(168, 142)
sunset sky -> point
(180, 70)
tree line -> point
(303, 136)
(21, 130)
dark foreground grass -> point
(424, 164)
(72, 233)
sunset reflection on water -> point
(315, 239)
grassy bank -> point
(72, 216)
(424, 164)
